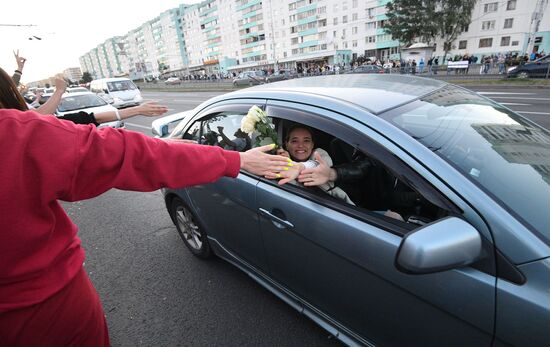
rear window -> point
(79, 102)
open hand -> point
(317, 175)
(151, 109)
(257, 162)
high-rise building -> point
(224, 36)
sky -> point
(68, 29)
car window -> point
(220, 129)
(365, 183)
(120, 86)
(77, 102)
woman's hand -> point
(317, 175)
(259, 163)
(19, 60)
(60, 84)
(150, 109)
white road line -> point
(504, 93)
(545, 113)
(518, 97)
(513, 104)
(137, 125)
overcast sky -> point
(68, 29)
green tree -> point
(427, 20)
(86, 77)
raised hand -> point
(19, 60)
(151, 109)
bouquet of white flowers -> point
(256, 121)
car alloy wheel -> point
(523, 74)
(189, 230)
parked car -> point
(250, 78)
(367, 69)
(447, 241)
(536, 68)
(87, 102)
(172, 81)
(279, 75)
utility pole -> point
(536, 17)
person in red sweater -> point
(46, 298)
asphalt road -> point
(155, 293)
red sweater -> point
(44, 160)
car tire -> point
(192, 234)
(234, 84)
(523, 74)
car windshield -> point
(78, 102)
(500, 151)
(121, 86)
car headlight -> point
(138, 98)
(512, 68)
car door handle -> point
(279, 222)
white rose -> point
(256, 113)
(248, 125)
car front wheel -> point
(190, 231)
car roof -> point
(375, 93)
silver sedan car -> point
(447, 238)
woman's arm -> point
(50, 106)
(149, 109)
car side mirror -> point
(445, 244)
(106, 91)
(159, 131)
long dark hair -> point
(9, 95)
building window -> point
(508, 22)
(511, 5)
(335, 21)
(515, 43)
(354, 30)
(344, 19)
(354, 43)
(488, 25)
(370, 39)
(354, 4)
(485, 42)
(354, 17)
(462, 44)
(505, 41)
(491, 7)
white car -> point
(164, 126)
(87, 102)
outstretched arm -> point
(50, 106)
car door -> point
(339, 259)
(227, 207)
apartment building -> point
(224, 36)
(74, 74)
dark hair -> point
(9, 95)
(299, 126)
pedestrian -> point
(46, 297)
(421, 66)
(435, 65)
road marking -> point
(513, 104)
(504, 93)
(138, 125)
(518, 97)
(546, 113)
